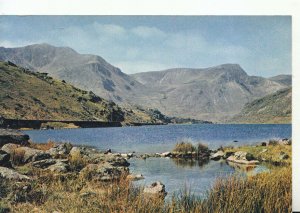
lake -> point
(176, 175)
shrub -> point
(184, 147)
(202, 148)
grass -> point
(265, 192)
(187, 147)
(269, 153)
(43, 146)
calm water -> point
(150, 139)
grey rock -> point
(13, 136)
(102, 172)
(166, 154)
(60, 149)
(156, 188)
(217, 156)
(10, 148)
(242, 157)
(59, 167)
(12, 174)
(283, 156)
(135, 177)
(44, 163)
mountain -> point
(213, 94)
(283, 79)
(33, 95)
(88, 72)
(274, 108)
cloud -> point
(148, 32)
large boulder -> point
(43, 163)
(12, 174)
(13, 136)
(10, 148)
(243, 158)
(102, 172)
(156, 188)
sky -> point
(260, 44)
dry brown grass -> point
(266, 192)
(43, 146)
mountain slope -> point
(283, 79)
(213, 94)
(274, 108)
(88, 72)
(28, 95)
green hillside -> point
(274, 108)
(28, 95)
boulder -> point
(59, 167)
(30, 154)
(217, 156)
(12, 174)
(156, 188)
(135, 177)
(10, 148)
(283, 156)
(102, 172)
(117, 161)
(243, 158)
(60, 149)
(5, 159)
(13, 136)
(44, 163)
(285, 141)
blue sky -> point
(260, 44)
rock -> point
(264, 143)
(135, 177)
(12, 174)
(228, 154)
(60, 149)
(10, 148)
(59, 167)
(117, 161)
(107, 151)
(166, 154)
(243, 158)
(156, 188)
(285, 141)
(30, 154)
(13, 136)
(102, 172)
(44, 163)
(40, 156)
(217, 156)
(283, 156)
(5, 159)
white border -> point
(180, 7)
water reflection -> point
(183, 162)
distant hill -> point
(87, 72)
(212, 94)
(283, 79)
(28, 95)
(274, 108)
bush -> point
(184, 147)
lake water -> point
(197, 176)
